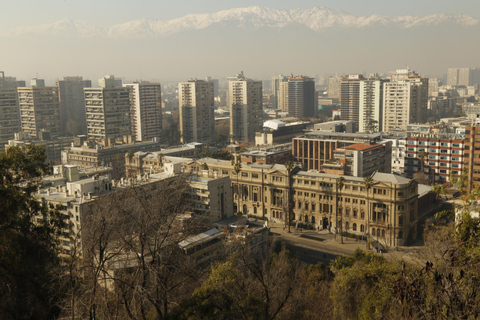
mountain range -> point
(317, 19)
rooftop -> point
(362, 147)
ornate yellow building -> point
(386, 211)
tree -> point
(249, 285)
(206, 150)
(237, 168)
(133, 266)
(422, 155)
(289, 165)
(339, 185)
(29, 283)
(160, 158)
(438, 190)
(222, 155)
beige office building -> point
(197, 119)
(39, 109)
(246, 107)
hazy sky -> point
(260, 54)
(106, 12)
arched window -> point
(383, 233)
(346, 226)
(354, 227)
(313, 219)
(306, 219)
(362, 228)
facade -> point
(360, 160)
(107, 110)
(316, 147)
(39, 109)
(196, 104)
(405, 100)
(72, 104)
(246, 110)
(444, 154)
(297, 97)
(387, 212)
(145, 110)
(9, 116)
(346, 126)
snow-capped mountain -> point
(316, 19)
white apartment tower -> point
(108, 110)
(405, 100)
(145, 110)
(196, 104)
(39, 110)
(246, 107)
(371, 105)
(276, 83)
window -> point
(400, 221)
(313, 207)
(254, 175)
(456, 145)
(354, 188)
(362, 215)
(410, 142)
(354, 227)
(244, 174)
(362, 228)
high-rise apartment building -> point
(297, 96)
(276, 83)
(350, 97)
(107, 110)
(39, 109)
(246, 108)
(370, 116)
(463, 76)
(9, 119)
(72, 104)
(405, 100)
(145, 110)
(197, 119)
(334, 87)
